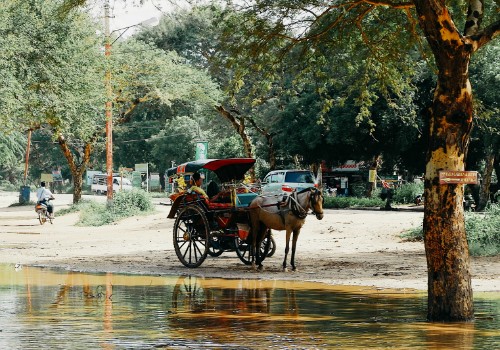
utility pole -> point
(109, 107)
(27, 157)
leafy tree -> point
(486, 136)
(387, 31)
(54, 71)
(12, 149)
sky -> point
(125, 13)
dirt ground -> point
(347, 247)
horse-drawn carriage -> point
(218, 224)
(210, 226)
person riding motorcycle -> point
(44, 196)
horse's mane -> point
(306, 190)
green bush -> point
(358, 189)
(483, 232)
(125, 204)
(7, 186)
(406, 193)
(133, 201)
(352, 202)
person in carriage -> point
(197, 183)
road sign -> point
(447, 177)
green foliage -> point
(51, 68)
(352, 202)
(132, 202)
(405, 194)
(8, 186)
(125, 204)
(483, 232)
(12, 149)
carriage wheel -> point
(272, 245)
(189, 295)
(191, 236)
(215, 249)
(245, 253)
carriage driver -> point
(198, 180)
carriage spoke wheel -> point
(191, 236)
(272, 245)
(215, 249)
(189, 296)
(245, 253)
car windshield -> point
(299, 176)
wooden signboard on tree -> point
(448, 177)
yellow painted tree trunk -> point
(448, 265)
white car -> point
(99, 184)
(279, 182)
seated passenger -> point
(212, 188)
(196, 187)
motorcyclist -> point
(44, 196)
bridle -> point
(314, 199)
(298, 210)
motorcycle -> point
(43, 213)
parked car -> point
(287, 181)
(99, 184)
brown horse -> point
(289, 215)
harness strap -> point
(296, 208)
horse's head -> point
(316, 201)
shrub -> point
(7, 186)
(133, 200)
(125, 204)
(358, 189)
(352, 202)
(406, 193)
(483, 232)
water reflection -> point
(41, 308)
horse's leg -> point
(287, 247)
(262, 233)
(294, 246)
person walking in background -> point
(44, 196)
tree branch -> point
(484, 36)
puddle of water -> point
(42, 308)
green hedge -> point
(352, 202)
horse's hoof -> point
(254, 267)
(285, 269)
(261, 268)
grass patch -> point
(125, 204)
(483, 232)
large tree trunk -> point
(270, 143)
(238, 122)
(484, 193)
(448, 266)
(77, 170)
